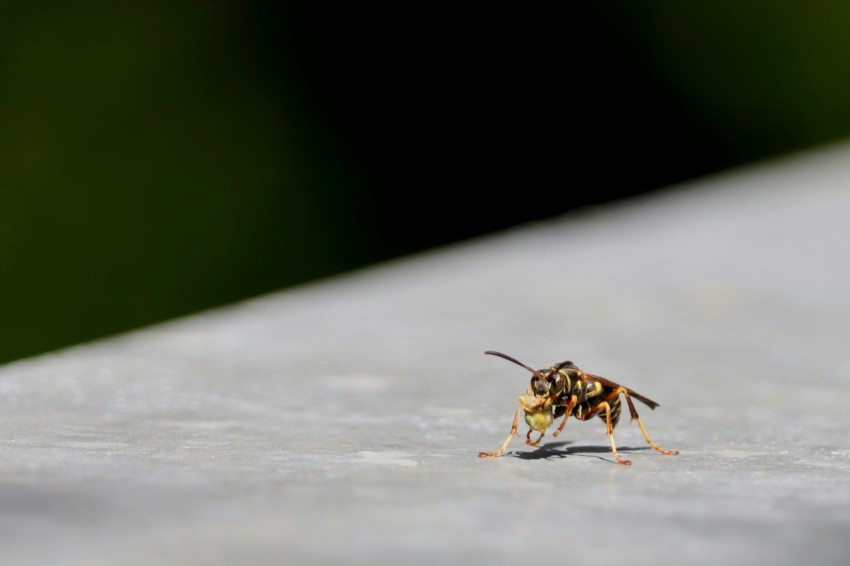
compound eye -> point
(547, 386)
(539, 386)
(556, 382)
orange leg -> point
(507, 440)
(610, 428)
(635, 417)
(536, 442)
(569, 409)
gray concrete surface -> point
(340, 422)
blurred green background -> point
(158, 158)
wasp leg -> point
(608, 425)
(536, 442)
(569, 409)
(610, 428)
(635, 417)
(507, 440)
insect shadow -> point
(560, 449)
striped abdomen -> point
(581, 409)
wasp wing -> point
(608, 383)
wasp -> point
(564, 390)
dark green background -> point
(157, 158)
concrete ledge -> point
(340, 422)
